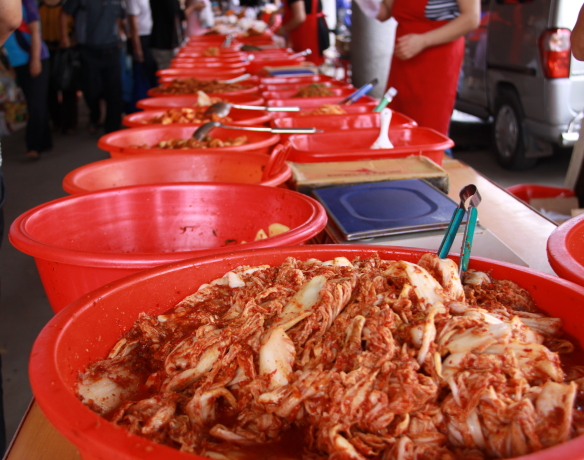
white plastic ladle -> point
(383, 141)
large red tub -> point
(191, 100)
(290, 94)
(84, 241)
(343, 122)
(205, 73)
(348, 146)
(565, 249)
(126, 141)
(87, 329)
(238, 118)
(159, 168)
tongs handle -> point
(468, 236)
(451, 232)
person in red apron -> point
(428, 53)
(305, 28)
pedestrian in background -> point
(97, 30)
(166, 36)
(29, 57)
(62, 101)
(139, 16)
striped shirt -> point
(441, 10)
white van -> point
(519, 71)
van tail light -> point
(556, 53)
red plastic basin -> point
(301, 79)
(338, 93)
(197, 64)
(235, 60)
(239, 118)
(88, 328)
(119, 142)
(84, 241)
(329, 123)
(297, 86)
(248, 89)
(565, 250)
(526, 192)
(307, 104)
(190, 100)
(193, 52)
(158, 168)
(258, 64)
(342, 122)
(214, 39)
(202, 73)
(347, 146)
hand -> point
(138, 56)
(65, 42)
(35, 67)
(199, 6)
(369, 7)
(408, 46)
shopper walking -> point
(97, 26)
(29, 57)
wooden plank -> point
(37, 439)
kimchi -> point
(343, 359)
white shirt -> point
(141, 9)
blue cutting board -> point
(386, 208)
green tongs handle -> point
(451, 232)
(468, 236)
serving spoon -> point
(202, 131)
(222, 109)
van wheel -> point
(509, 132)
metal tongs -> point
(471, 194)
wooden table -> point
(519, 226)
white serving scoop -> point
(383, 141)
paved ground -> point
(24, 308)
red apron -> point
(305, 36)
(426, 83)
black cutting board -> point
(386, 208)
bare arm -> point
(35, 48)
(196, 5)
(410, 45)
(10, 18)
(298, 17)
(577, 37)
(135, 37)
(385, 10)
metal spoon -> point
(245, 76)
(223, 108)
(202, 131)
(306, 52)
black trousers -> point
(36, 89)
(101, 78)
(62, 111)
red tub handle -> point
(277, 160)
